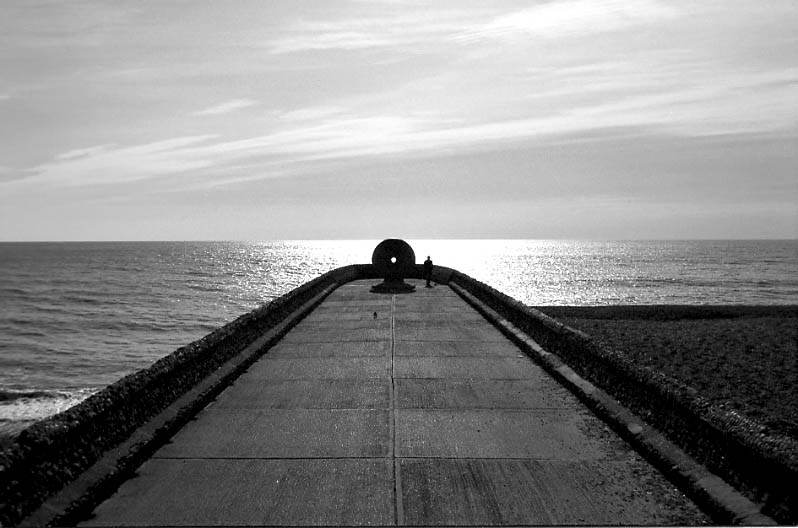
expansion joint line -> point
(393, 338)
(398, 511)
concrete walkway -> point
(426, 415)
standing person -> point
(428, 271)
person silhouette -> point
(428, 271)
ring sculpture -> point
(393, 260)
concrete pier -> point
(395, 409)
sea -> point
(77, 316)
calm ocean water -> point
(75, 317)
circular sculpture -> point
(393, 260)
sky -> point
(264, 120)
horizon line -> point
(262, 241)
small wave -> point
(205, 287)
(197, 273)
(83, 300)
(34, 404)
(10, 395)
(14, 291)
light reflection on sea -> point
(568, 272)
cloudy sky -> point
(259, 120)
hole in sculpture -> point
(393, 260)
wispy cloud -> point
(358, 32)
(570, 17)
(340, 137)
(312, 113)
(226, 107)
(83, 152)
(109, 164)
(740, 103)
(4, 97)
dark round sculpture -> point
(393, 259)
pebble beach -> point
(743, 356)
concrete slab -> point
(334, 316)
(353, 368)
(466, 368)
(361, 301)
(363, 322)
(533, 492)
(433, 305)
(457, 349)
(431, 331)
(250, 393)
(356, 292)
(536, 434)
(325, 335)
(381, 307)
(435, 292)
(342, 349)
(439, 318)
(282, 433)
(253, 493)
(542, 393)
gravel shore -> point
(745, 356)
